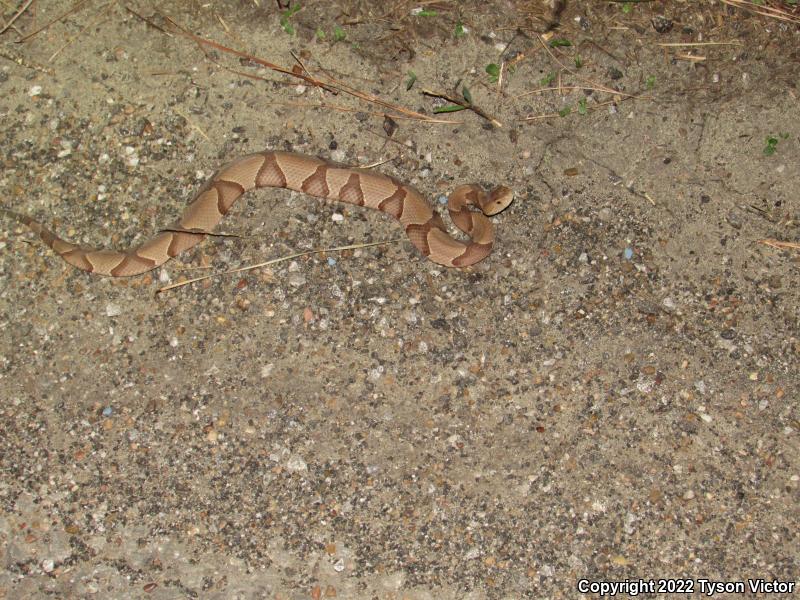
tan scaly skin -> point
(312, 176)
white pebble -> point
(35, 91)
(337, 218)
(296, 464)
(113, 310)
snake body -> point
(312, 176)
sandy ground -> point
(611, 395)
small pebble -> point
(661, 24)
(296, 464)
(297, 280)
(628, 253)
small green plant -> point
(494, 72)
(460, 31)
(448, 108)
(548, 79)
(650, 82)
(582, 106)
(578, 61)
(627, 7)
(466, 94)
(425, 13)
(772, 143)
(286, 15)
(559, 43)
(338, 34)
(564, 111)
(320, 34)
(412, 78)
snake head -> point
(498, 200)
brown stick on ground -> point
(331, 85)
(468, 105)
(18, 14)
(56, 20)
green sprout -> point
(338, 34)
(582, 106)
(650, 82)
(548, 79)
(460, 31)
(448, 108)
(494, 72)
(772, 143)
(412, 78)
(285, 25)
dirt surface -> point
(611, 395)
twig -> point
(554, 115)
(202, 41)
(779, 244)
(584, 87)
(192, 124)
(681, 44)
(340, 85)
(101, 15)
(332, 85)
(18, 14)
(58, 18)
(24, 63)
(766, 11)
(370, 112)
(274, 261)
(148, 21)
(469, 105)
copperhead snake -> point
(313, 176)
